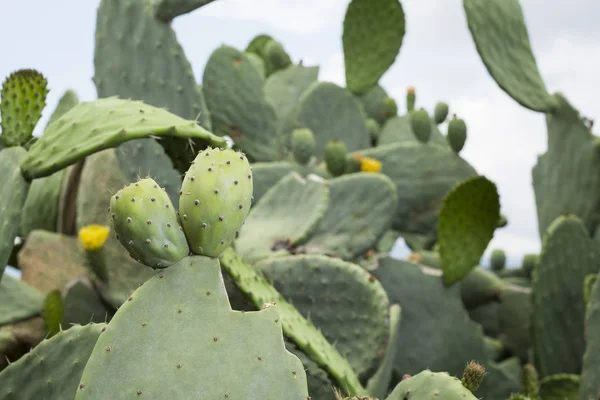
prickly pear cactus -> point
(215, 199)
(590, 374)
(23, 100)
(101, 124)
(18, 301)
(180, 313)
(372, 37)
(12, 199)
(146, 224)
(427, 384)
(52, 370)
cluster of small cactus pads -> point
(158, 262)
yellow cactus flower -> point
(411, 90)
(369, 165)
(92, 237)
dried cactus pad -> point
(53, 368)
(23, 100)
(179, 339)
(97, 125)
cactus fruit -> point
(440, 112)
(390, 108)
(411, 98)
(421, 125)
(303, 145)
(335, 157)
(498, 260)
(529, 382)
(428, 384)
(374, 129)
(23, 100)
(473, 376)
(275, 57)
(146, 224)
(215, 198)
(457, 134)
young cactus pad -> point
(23, 100)
(146, 224)
(97, 125)
(215, 199)
(177, 338)
(427, 385)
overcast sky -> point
(438, 57)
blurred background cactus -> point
(233, 229)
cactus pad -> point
(41, 207)
(240, 109)
(502, 41)
(372, 37)
(427, 384)
(166, 10)
(68, 100)
(284, 218)
(215, 199)
(18, 301)
(568, 256)
(81, 304)
(93, 126)
(181, 324)
(146, 224)
(12, 199)
(360, 303)
(590, 374)
(354, 219)
(466, 225)
(53, 368)
(560, 387)
(23, 99)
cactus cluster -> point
(158, 262)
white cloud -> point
(302, 17)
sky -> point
(438, 57)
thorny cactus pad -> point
(215, 199)
(23, 100)
(146, 224)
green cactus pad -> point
(590, 373)
(101, 177)
(240, 109)
(372, 37)
(411, 166)
(354, 219)
(50, 260)
(440, 112)
(68, 100)
(399, 129)
(568, 256)
(53, 312)
(588, 287)
(320, 386)
(411, 98)
(275, 57)
(378, 384)
(421, 125)
(53, 368)
(427, 384)
(466, 225)
(147, 225)
(360, 303)
(560, 387)
(284, 88)
(166, 10)
(514, 314)
(215, 199)
(304, 334)
(266, 175)
(528, 263)
(41, 207)
(173, 318)
(93, 126)
(137, 56)
(315, 110)
(457, 134)
(12, 199)
(303, 145)
(285, 217)
(23, 99)
(555, 189)
(479, 286)
(18, 301)
(82, 305)
(502, 41)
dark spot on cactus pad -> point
(81, 386)
(215, 339)
(192, 178)
(144, 324)
(282, 244)
(147, 241)
(259, 358)
(221, 218)
(184, 216)
(149, 222)
(196, 202)
(208, 293)
(216, 191)
(168, 225)
(203, 225)
(152, 199)
(178, 365)
(139, 392)
(235, 182)
(133, 199)
(228, 162)
(209, 169)
(235, 133)
(107, 348)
